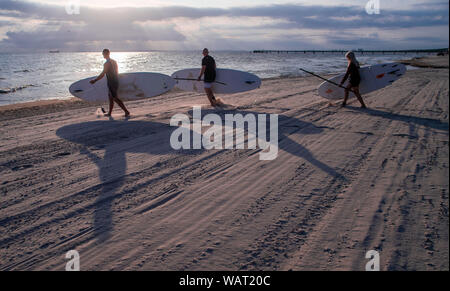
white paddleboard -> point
(132, 86)
(372, 78)
(227, 81)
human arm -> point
(346, 75)
(105, 69)
(201, 73)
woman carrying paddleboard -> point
(209, 70)
(111, 70)
(355, 79)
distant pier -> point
(416, 51)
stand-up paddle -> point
(187, 79)
(227, 81)
(326, 80)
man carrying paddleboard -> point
(111, 70)
(209, 70)
(355, 79)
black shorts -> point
(210, 77)
(355, 82)
(113, 88)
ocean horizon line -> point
(235, 50)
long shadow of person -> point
(412, 120)
(116, 138)
(286, 126)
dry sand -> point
(437, 62)
(345, 181)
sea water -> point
(44, 76)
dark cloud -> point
(347, 17)
(432, 5)
(121, 25)
(66, 35)
(304, 16)
(4, 23)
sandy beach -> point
(346, 181)
(436, 62)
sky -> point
(132, 25)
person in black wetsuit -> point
(355, 79)
(209, 70)
(111, 70)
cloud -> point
(69, 35)
(302, 15)
(422, 39)
(4, 23)
(143, 28)
(431, 5)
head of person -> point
(106, 53)
(352, 58)
(205, 52)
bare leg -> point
(347, 91)
(111, 105)
(120, 103)
(356, 90)
(211, 97)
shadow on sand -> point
(117, 138)
(412, 120)
(286, 126)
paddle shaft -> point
(336, 84)
(185, 79)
